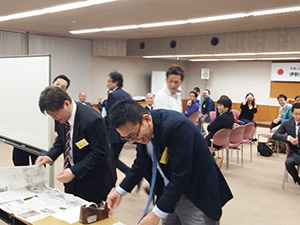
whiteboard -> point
(22, 79)
(158, 80)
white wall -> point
(136, 73)
(234, 79)
(69, 56)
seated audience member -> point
(82, 99)
(225, 119)
(289, 132)
(288, 113)
(282, 100)
(102, 105)
(248, 108)
(192, 104)
(208, 105)
(200, 98)
(149, 100)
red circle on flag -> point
(280, 71)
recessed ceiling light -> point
(195, 20)
(53, 9)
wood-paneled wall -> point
(264, 112)
(290, 89)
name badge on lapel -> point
(82, 143)
(165, 156)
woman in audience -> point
(248, 108)
(192, 104)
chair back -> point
(236, 135)
(248, 131)
(221, 137)
(236, 113)
(194, 117)
(212, 115)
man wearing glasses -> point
(190, 188)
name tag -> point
(82, 143)
(165, 156)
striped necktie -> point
(67, 146)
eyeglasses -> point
(133, 136)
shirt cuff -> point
(159, 213)
(288, 137)
(121, 191)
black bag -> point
(264, 149)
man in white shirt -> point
(169, 96)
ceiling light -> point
(53, 9)
(195, 20)
(275, 11)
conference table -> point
(11, 219)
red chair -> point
(221, 138)
(236, 113)
(212, 115)
(247, 137)
(194, 117)
(235, 141)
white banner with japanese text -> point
(289, 72)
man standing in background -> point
(114, 85)
(169, 96)
(22, 158)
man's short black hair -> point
(175, 70)
(296, 97)
(126, 111)
(207, 90)
(295, 106)
(64, 77)
(226, 102)
(117, 77)
(281, 96)
(196, 89)
(52, 99)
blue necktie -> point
(153, 179)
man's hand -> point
(294, 141)
(42, 160)
(202, 120)
(113, 200)
(65, 176)
(150, 219)
(275, 121)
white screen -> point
(21, 81)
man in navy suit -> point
(189, 186)
(115, 84)
(289, 131)
(89, 170)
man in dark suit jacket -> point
(189, 185)
(289, 131)
(149, 100)
(225, 119)
(115, 84)
(21, 157)
(89, 170)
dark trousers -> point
(291, 162)
(274, 125)
(21, 158)
(116, 150)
